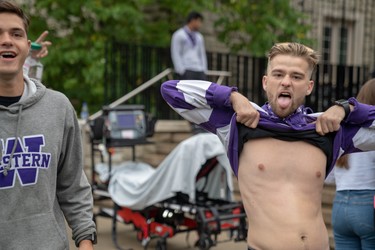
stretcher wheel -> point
(204, 243)
(161, 245)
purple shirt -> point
(207, 105)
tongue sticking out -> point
(284, 101)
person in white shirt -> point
(353, 207)
(188, 51)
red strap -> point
(207, 168)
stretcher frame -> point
(207, 217)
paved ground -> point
(127, 239)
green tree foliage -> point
(80, 29)
(254, 26)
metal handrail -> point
(166, 73)
(220, 74)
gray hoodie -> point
(44, 182)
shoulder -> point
(179, 33)
(58, 99)
(44, 94)
(56, 95)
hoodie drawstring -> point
(9, 165)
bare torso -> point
(281, 186)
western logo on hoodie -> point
(28, 159)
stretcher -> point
(190, 191)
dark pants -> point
(193, 75)
(250, 248)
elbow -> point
(167, 88)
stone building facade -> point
(343, 30)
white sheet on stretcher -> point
(137, 185)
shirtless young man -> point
(280, 152)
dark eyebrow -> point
(277, 71)
(17, 30)
(298, 74)
(14, 29)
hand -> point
(86, 245)
(330, 120)
(246, 113)
(45, 44)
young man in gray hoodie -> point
(41, 176)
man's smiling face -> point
(287, 83)
(14, 45)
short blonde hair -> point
(295, 49)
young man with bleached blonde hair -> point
(280, 152)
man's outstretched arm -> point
(359, 114)
(358, 127)
(201, 102)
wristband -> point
(91, 237)
(345, 104)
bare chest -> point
(279, 159)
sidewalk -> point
(127, 239)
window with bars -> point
(336, 42)
(343, 46)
